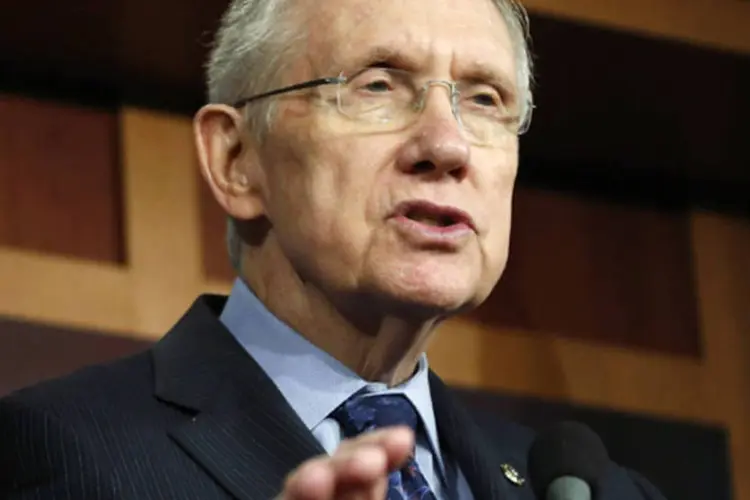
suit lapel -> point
(248, 452)
(462, 438)
(238, 426)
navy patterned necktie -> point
(363, 413)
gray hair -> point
(254, 41)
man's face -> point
(358, 212)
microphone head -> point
(566, 449)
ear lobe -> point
(228, 160)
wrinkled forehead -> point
(446, 36)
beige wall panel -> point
(66, 292)
(722, 256)
(470, 354)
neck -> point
(375, 342)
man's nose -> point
(438, 145)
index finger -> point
(397, 442)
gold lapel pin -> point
(512, 475)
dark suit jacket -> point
(195, 417)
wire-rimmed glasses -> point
(383, 99)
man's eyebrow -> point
(384, 55)
(478, 72)
(393, 56)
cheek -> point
(344, 174)
(499, 206)
(496, 244)
(324, 200)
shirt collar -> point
(313, 382)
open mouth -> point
(430, 214)
(431, 219)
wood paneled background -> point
(105, 226)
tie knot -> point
(363, 412)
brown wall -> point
(720, 24)
(604, 304)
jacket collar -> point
(238, 426)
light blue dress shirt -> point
(314, 384)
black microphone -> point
(565, 462)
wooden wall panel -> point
(32, 352)
(162, 218)
(64, 291)
(722, 262)
(598, 271)
(60, 179)
(636, 118)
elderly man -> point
(365, 153)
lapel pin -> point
(512, 475)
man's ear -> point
(228, 160)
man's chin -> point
(425, 288)
(433, 302)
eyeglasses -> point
(386, 99)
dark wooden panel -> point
(31, 352)
(619, 102)
(59, 179)
(599, 271)
(216, 265)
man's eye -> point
(377, 86)
(486, 99)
